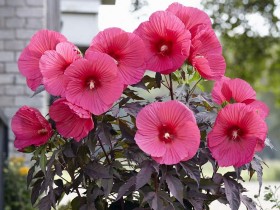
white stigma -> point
(91, 84)
(234, 134)
(163, 48)
(166, 136)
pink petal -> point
(109, 86)
(167, 42)
(189, 16)
(260, 107)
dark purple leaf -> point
(182, 90)
(68, 151)
(107, 185)
(45, 203)
(232, 193)
(35, 192)
(123, 101)
(127, 132)
(103, 132)
(176, 187)
(148, 197)
(39, 89)
(125, 188)
(158, 78)
(97, 171)
(133, 108)
(256, 166)
(192, 171)
(30, 175)
(144, 175)
(157, 203)
(248, 202)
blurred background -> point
(248, 29)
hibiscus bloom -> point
(240, 91)
(190, 16)
(206, 53)
(168, 132)
(71, 121)
(167, 42)
(127, 50)
(30, 128)
(237, 133)
(53, 64)
(94, 83)
(28, 62)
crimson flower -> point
(94, 83)
(127, 50)
(53, 64)
(167, 42)
(28, 62)
(238, 90)
(30, 128)
(237, 133)
(206, 53)
(168, 132)
(71, 121)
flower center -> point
(163, 49)
(166, 134)
(235, 133)
(43, 131)
(91, 84)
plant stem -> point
(192, 90)
(171, 87)
(104, 151)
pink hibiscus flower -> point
(127, 50)
(190, 16)
(71, 121)
(238, 132)
(94, 83)
(206, 53)
(167, 42)
(28, 62)
(240, 91)
(30, 128)
(53, 64)
(168, 132)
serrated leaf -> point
(232, 193)
(176, 187)
(192, 171)
(45, 203)
(144, 175)
(126, 187)
(248, 202)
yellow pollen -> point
(42, 131)
(91, 84)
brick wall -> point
(19, 20)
